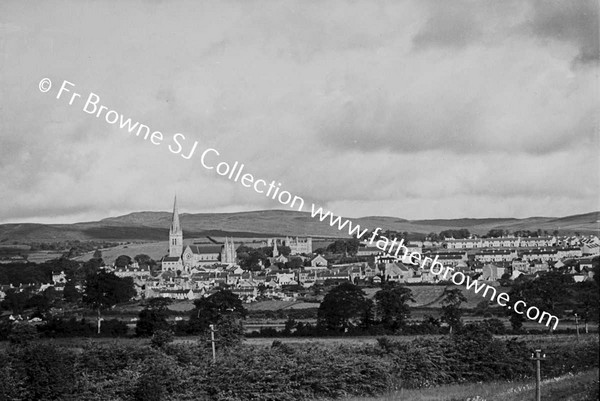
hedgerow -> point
(41, 370)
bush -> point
(22, 333)
(58, 328)
(45, 371)
(161, 337)
(113, 328)
(282, 371)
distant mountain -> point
(153, 226)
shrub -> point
(22, 333)
(46, 371)
(113, 328)
(161, 337)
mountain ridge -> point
(152, 226)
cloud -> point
(371, 108)
(463, 23)
(575, 22)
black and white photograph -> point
(261, 200)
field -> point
(567, 387)
(431, 368)
(156, 250)
(535, 341)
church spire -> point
(175, 234)
(175, 226)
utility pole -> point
(577, 325)
(537, 356)
(99, 320)
(212, 340)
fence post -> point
(537, 356)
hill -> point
(153, 226)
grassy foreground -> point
(578, 387)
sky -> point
(414, 109)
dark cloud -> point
(576, 22)
(425, 109)
(450, 24)
(458, 24)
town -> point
(279, 268)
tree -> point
(91, 266)
(344, 246)
(161, 337)
(392, 307)
(587, 302)
(430, 325)
(97, 254)
(209, 310)
(457, 234)
(229, 331)
(22, 333)
(104, 290)
(15, 301)
(290, 324)
(342, 308)
(284, 250)
(251, 259)
(550, 292)
(122, 261)
(70, 293)
(294, 263)
(153, 317)
(482, 307)
(451, 312)
(142, 259)
(40, 303)
(517, 293)
(495, 233)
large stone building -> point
(194, 255)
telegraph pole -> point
(537, 356)
(212, 340)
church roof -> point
(171, 259)
(198, 249)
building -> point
(537, 242)
(319, 262)
(194, 255)
(299, 245)
(173, 262)
(496, 255)
(543, 254)
(451, 259)
(368, 251)
(590, 246)
(492, 272)
(134, 271)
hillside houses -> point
(500, 242)
(452, 259)
(590, 246)
(192, 271)
(496, 255)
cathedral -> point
(184, 259)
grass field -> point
(537, 341)
(568, 387)
(156, 250)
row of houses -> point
(589, 245)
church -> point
(185, 258)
